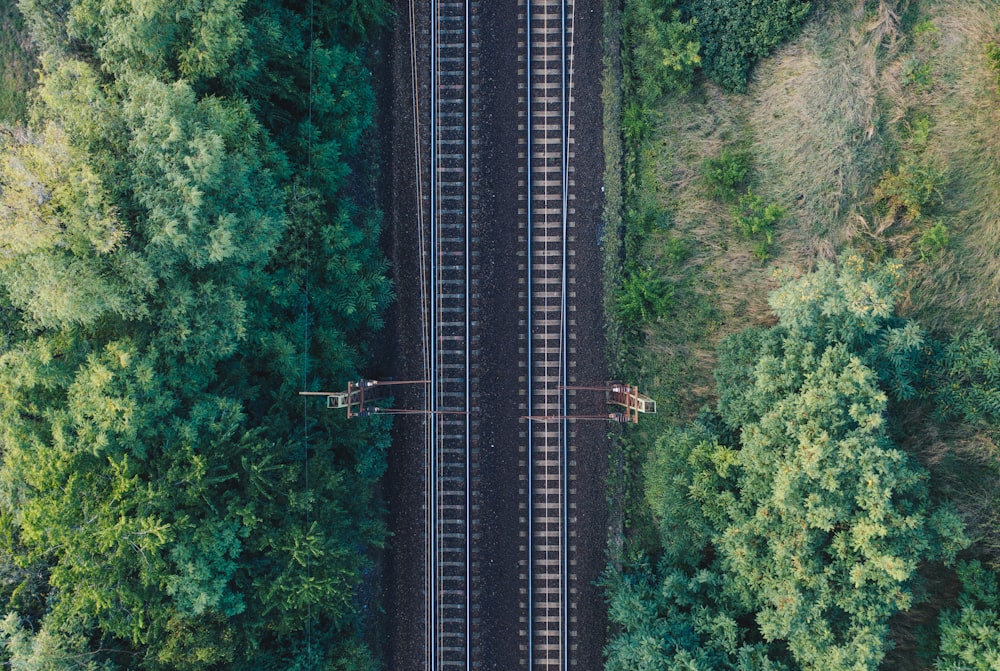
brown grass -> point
(962, 287)
(815, 124)
(18, 62)
(810, 124)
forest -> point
(804, 275)
(187, 240)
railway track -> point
(452, 340)
(548, 225)
(451, 354)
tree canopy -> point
(792, 526)
(182, 248)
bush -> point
(644, 296)
(970, 637)
(755, 220)
(917, 73)
(676, 250)
(933, 241)
(965, 384)
(726, 175)
(915, 185)
(735, 34)
(993, 60)
(665, 49)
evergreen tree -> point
(970, 635)
(161, 222)
(792, 527)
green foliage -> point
(157, 222)
(915, 185)
(678, 460)
(645, 295)
(188, 39)
(675, 619)
(635, 124)
(726, 175)
(933, 241)
(735, 373)
(829, 520)
(993, 60)
(675, 250)
(48, 649)
(792, 527)
(849, 303)
(965, 383)
(970, 636)
(17, 65)
(62, 235)
(755, 220)
(919, 131)
(853, 304)
(664, 50)
(917, 74)
(735, 34)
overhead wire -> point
(305, 337)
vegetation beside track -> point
(186, 242)
(855, 137)
(18, 62)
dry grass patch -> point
(814, 121)
(719, 286)
(826, 119)
(809, 124)
(963, 284)
(17, 64)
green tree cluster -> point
(668, 41)
(970, 635)
(662, 49)
(792, 526)
(183, 238)
(735, 34)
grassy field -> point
(17, 64)
(825, 120)
(877, 128)
(826, 124)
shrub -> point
(993, 60)
(755, 220)
(917, 73)
(644, 296)
(914, 185)
(965, 384)
(665, 49)
(735, 34)
(726, 174)
(919, 131)
(970, 637)
(933, 241)
(676, 250)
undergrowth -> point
(17, 64)
(877, 128)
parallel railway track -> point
(451, 354)
(548, 224)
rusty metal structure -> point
(361, 397)
(625, 396)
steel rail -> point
(531, 372)
(432, 532)
(564, 347)
(468, 338)
(450, 519)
